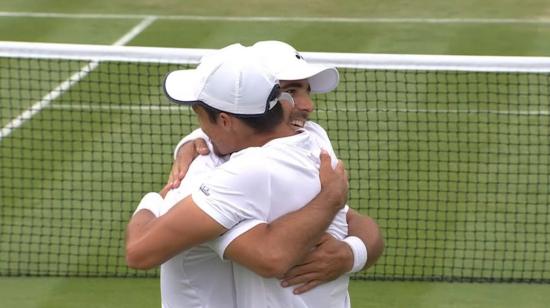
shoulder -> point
(317, 131)
(320, 135)
(249, 157)
(250, 163)
(314, 128)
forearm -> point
(295, 234)
(150, 241)
(365, 228)
(139, 254)
(272, 249)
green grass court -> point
(432, 176)
(106, 293)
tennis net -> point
(450, 154)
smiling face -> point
(303, 105)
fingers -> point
(293, 275)
(172, 176)
(165, 190)
(201, 147)
(325, 159)
(176, 183)
(307, 280)
(323, 264)
(178, 172)
(326, 162)
(298, 280)
(334, 182)
(186, 154)
(340, 167)
(325, 168)
(306, 286)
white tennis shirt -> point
(196, 278)
(256, 185)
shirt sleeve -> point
(220, 244)
(196, 134)
(339, 226)
(238, 190)
(199, 169)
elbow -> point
(136, 260)
(272, 264)
(375, 250)
(272, 271)
(381, 247)
(137, 264)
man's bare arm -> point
(150, 241)
(366, 228)
(332, 258)
(271, 249)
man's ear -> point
(225, 120)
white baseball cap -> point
(232, 80)
(287, 64)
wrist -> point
(332, 198)
(359, 250)
(152, 202)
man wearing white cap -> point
(273, 172)
(298, 77)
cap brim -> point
(325, 80)
(181, 86)
(321, 78)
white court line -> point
(68, 83)
(146, 22)
(141, 108)
(288, 18)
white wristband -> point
(359, 250)
(152, 202)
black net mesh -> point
(454, 166)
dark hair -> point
(266, 122)
(210, 111)
(262, 123)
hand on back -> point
(334, 181)
(185, 155)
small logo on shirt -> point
(205, 190)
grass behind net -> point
(453, 165)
